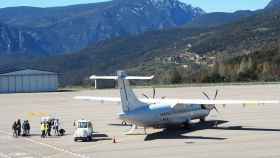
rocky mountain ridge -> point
(71, 28)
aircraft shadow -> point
(178, 133)
(240, 128)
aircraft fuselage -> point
(159, 115)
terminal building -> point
(28, 81)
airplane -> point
(163, 112)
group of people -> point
(17, 126)
(47, 126)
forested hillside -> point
(186, 54)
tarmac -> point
(242, 131)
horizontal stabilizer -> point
(93, 77)
(138, 77)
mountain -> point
(219, 18)
(247, 35)
(71, 28)
(105, 56)
(273, 4)
(21, 40)
(256, 33)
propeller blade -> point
(216, 94)
(217, 110)
(206, 95)
(145, 96)
(154, 93)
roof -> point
(83, 120)
(28, 72)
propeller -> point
(206, 95)
(210, 107)
(216, 94)
(145, 96)
(216, 109)
(153, 96)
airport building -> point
(28, 81)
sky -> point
(207, 5)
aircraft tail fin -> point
(129, 100)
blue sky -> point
(207, 5)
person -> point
(14, 127)
(24, 133)
(18, 127)
(28, 127)
(46, 129)
(49, 127)
(42, 130)
(25, 128)
(56, 127)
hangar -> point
(27, 81)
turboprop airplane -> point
(161, 113)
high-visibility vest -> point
(46, 127)
(42, 127)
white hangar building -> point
(28, 81)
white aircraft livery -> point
(161, 113)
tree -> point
(175, 77)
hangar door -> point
(4, 87)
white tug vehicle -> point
(84, 130)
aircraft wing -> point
(113, 99)
(211, 102)
(182, 101)
(103, 99)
